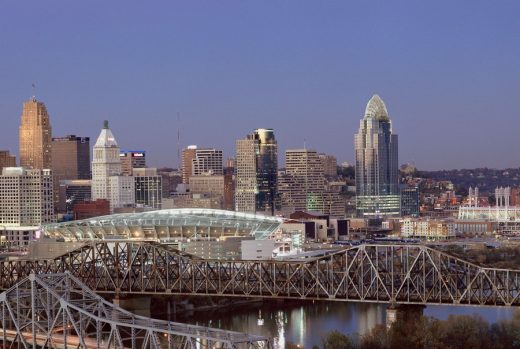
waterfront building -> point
(105, 163)
(35, 136)
(441, 229)
(131, 159)
(377, 191)
(70, 160)
(26, 202)
(178, 227)
(148, 188)
(6, 160)
(256, 172)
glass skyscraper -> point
(377, 171)
(256, 172)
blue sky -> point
(448, 72)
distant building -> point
(35, 136)
(6, 160)
(170, 180)
(148, 188)
(256, 172)
(26, 203)
(105, 163)
(329, 164)
(188, 155)
(131, 159)
(72, 192)
(90, 209)
(70, 160)
(410, 201)
(122, 192)
(377, 172)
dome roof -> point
(376, 109)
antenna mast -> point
(178, 140)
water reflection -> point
(305, 323)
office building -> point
(105, 163)
(70, 160)
(26, 203)
(410, 201)
(188, 155)
(6, 160)
(131, 159)
(377, 191)
(207, 162)
(122, 192)
(73, 191)
(91, 209)
(148, 188)
(256, 172)
(35, 136)
(303, 179)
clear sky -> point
(448, 71)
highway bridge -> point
(384, 273)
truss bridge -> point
(396, 274)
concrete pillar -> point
(403, 312)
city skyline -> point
(301, 68)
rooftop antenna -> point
(178, 140)
(304, 144)
(34, 90)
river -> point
(306, 323)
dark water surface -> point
(306, 323)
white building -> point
(122, 192)
(105, 163)
(26, 202)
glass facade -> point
(377, 172)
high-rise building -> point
(70, 160)
(303, 179)
(330, 165)
(207, 162)
(256, 172)
(410, 201)
(6, 160)
(148, 188)
(188, 155)
(377, 171)
(105, 163)
(131, 159)
(35, 136)
(25, 204)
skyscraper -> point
(35, 136)
(70, 160)
(6, 159)
(304, 180)
(188, 154)
(256, 172)
(105, 163)
(377, 171)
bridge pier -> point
(139, 305)
(403, 312)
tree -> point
(337, 340)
